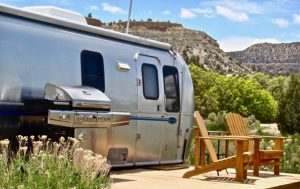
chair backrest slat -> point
(237, 126)
(204, 133)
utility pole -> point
(129, 13)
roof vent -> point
(57, 13)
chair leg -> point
(245, 174)
(256, 170)
(276, 167)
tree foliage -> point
(244, 95)
(289, 114)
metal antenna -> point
(129, 13)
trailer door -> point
(172, 131)
(150, 110)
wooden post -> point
(239, 167)
(256, 157)
(278, 146)
(197, 147)
(278, 143)
(202, 152)
(226, 148)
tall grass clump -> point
(47, 164)
(291, 156)
(290, 163)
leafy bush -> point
(216, 122)
(51, 165)
(243, 95)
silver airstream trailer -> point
(129, 98)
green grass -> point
(62, 165)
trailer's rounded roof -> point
(82, 27)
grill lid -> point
(80, 96)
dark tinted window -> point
(150, 81)
(92, 70)
(171, 85)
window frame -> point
(86, 53)
(143, 81)
(177, 87)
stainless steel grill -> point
(89, 107)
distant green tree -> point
(277, 86)
(215, 92)
(289, 114)
(90, 15)
(262, 79)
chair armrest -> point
(278, 141)
(271, 137)
(226, 137)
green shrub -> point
(216, 122)
(49, 164)
(214, 92)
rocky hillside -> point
(189, 43)
(272, 58)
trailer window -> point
(92, 70)
(150, 81)
(171, 86)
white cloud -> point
(112, 9)
(241, 43)
(166, 12)
(249, 7)
(202, 11)
(232, 15)
(186, 13)
(281, 22)
(194, 12)
(206, 12)
(296, 19)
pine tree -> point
(289, 107)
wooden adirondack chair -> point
(239, 161)
(237, 126)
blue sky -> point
(234, 24)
